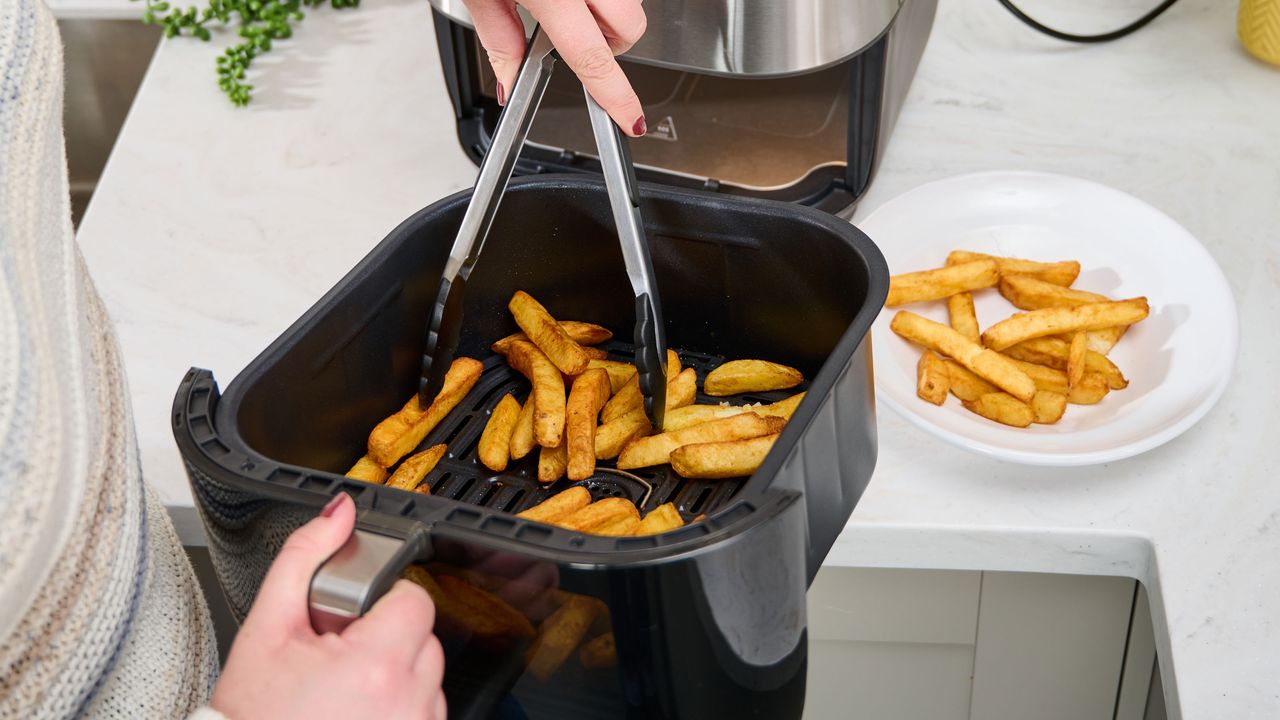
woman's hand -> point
(387, 664)
(587, 34)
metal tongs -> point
(445, 325)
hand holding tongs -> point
(445, 325)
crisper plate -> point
(1178, 360)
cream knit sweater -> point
(100, 614)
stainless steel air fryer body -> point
(758, 38)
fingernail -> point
(640, 128)
(332, 505)
(502, 95)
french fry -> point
(682, 390)
(941, 282)
(624, 401)
(594, 354)
(522, 441)
(396, 436)
(1058, 273)
(618, 527)
(660, 519)
(742, 376)
(1002, 408)
(1054, 353)
(415, 467)
(674, 368)
(717, 460)
(598, 514)
(932, 379)
(583, 333)
(989, 365)
(466, 611)
(369, 471)
(1089, 391)
(548, 391)
(964, 318)
(1047, 407)
(559, 634)
(965, 384)
(1056, 321)
(598, 653)
(691, 415)
(552, 462)
(589, 394)
(546, 333)
(612, 436)
(656, 449)
(1075, 358)
(619, 372)
(1028, 293)
(558, 506)
(495, 441)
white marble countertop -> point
(214, 228)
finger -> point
(282, 600)
(428, 667)
(399, 622)
(576, 35)
(502, 35)
(621, 21)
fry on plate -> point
(1054, 352)
(1075, 358)
(989, 365)
(1089, 391)
(598, 653)
(660, 519)
(1027, 293)
(933, 382)
(414, 468)
(559, 634)
(656, 449)
(963, 316)
(1002, 408)
(1058, 273)
(1059, 320)
(495, 441)
(369, 471)
(548, 391)
(942, 282)
(612, 436)
(743, 376)
(718, 460)
(544, 332)
(558, 506)
(1047, 407)
(522, 441)
(396, 436)
(589, 393)
(583, 333)
(965, 384)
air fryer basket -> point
(708, 619)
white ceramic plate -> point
(1178, 360)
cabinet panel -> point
(886, 605)
(887, 681)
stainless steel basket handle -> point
(347, 584)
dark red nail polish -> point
(502, 95)
(332, 505)
(640, 128)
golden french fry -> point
(415, 467)
(598, 514)
(583, 333)
(1075, 358)
(465, 611)
(690, 415)
(941, 282)
(548, 391)
(1003, 408)
(1047, 407)
(618, 527)
(656, 449)
(599, 653)
(989, 365)
(495, 441)
(546, 333)
(1028, 293)
(660, 519)
(743, 376)
(965, 384)
(558, 506)
(589, 394)
(717, 460)
(396, 436)
(522, 441)
(612, 436)
(1058, 273)
(369, 471)
(933, 382)
(619, 372)
(682, 390)
(624, 401)
(964, 318)
(1054, 353)
(559, 634)
(594, 354)
(674, 367)
(1056, 321)
(552, 462)
(1089, 391)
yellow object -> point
(1259, 29)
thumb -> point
(501, 34)
(282, 598)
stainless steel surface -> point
(747, 37)
(347, 584)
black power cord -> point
(1104, 37)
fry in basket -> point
(396, 436)
(598, 514)
(964, 318)
(1058, 273)
(415, 467)
(1056, 321)
(742, 376)
(1075, 358)
(552, 462)
(620, 526)
(965, 384)
(941, 282)
(559, 634)
(522, 441)
(612, 436)
(682, 390)
(546, 333)
(548, 391)
(1003, 408)
(495, 441)
(660, 519)
(594, 354)
(1028, 293)
(468, 612)
(1047, 407)
(589, 393)
(599, 653)
(619, 372)
(1089, 391)
(932, 379)
(558, 506)
(691, 415)
(369, 471)
(656, 449)
(583, 333)
(1054, 353)
(718, 460)
(991, 366)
